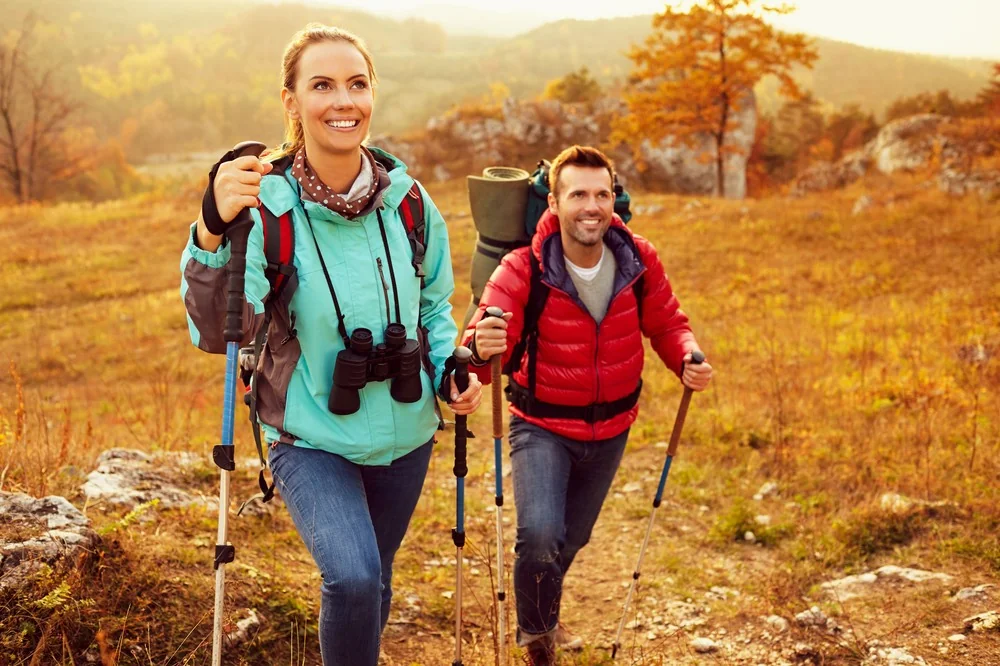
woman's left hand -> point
(468, 401)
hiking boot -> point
(542, 652)
(566, 639)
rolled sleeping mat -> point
(498, 200)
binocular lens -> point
(395, 336)
(361, 341)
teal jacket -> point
(296, 365)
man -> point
(575, 388)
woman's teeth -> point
(342, 124)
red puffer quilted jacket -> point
(580, 362)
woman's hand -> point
(236, 186)
(468, 401)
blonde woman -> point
(348, 459)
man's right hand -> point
(237, 185)
(491, 336)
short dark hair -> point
(584, 156)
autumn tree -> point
(693, 73)
(989, 97)
(575, 87)
(36, 147)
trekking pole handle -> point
(238, 231)
(697, 358)
(495, 360)
(462, 356)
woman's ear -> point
(290, 103)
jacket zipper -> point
(385, 288)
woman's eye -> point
(321, 85)
(360, 85)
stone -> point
(39, 532)
(777, 623)
(956, 638)
(988, 621)
(244, 629)
(126, 477)
(893, 657)
(971, 593)
(853, 586)
(704, 645)
(863, 203)
(766, 490)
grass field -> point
(854, 355)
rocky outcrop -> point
(907, 145)
(39, 533)
(521, 133)
(126, 477)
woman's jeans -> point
(559, 487)
(352, 519)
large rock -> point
(126, 477)
(853, 586)
(905, 144)
(35, 533)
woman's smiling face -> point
(333, 97)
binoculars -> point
(398, 359)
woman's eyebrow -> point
(330, 78)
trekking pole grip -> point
(462, 356)
(494, 311)
(238, 231)
(697, 358)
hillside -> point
(183, 76)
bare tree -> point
(34, 113)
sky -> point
(940, 27)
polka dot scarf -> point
(316, 190)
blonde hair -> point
(313, 33)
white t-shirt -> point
(588, 274)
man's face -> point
(585, 203)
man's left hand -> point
(468, 401)
(696, 375)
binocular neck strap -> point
(392, 273)
(329, 283)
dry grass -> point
(854, 355)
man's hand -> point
(491, 336)
(468, 401)
(696, 375)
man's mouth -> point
(590, 222)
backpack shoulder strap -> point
(638, 288)
(538, 293)
(279, 250)
(412, 212)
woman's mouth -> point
(342, 125)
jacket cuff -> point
(216, 259)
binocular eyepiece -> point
(398, 359)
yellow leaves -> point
(139, 71)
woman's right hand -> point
(237, 185)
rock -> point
(863, 203)
(988, 621)
(824, 176)
(777, 623)
(853, 586)
(905, 144)
(804, 651)
(126, 477)
(893, 657)
(968, 593)
(959, 182)
(766, 490)
(816, 619)
(901, 504)
(38, 533)
(704, 645)
(749, 537)
(956, 638)
(632, 487)
(762, 519)
(244, 629)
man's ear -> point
(553, 208)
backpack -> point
(279, 251)
(523, 397)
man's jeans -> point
(352, 519)
(559, 487)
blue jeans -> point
(559, 488)
(352, 519)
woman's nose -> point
(342, 99)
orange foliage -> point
(695, 70)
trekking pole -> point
(494, 311)
(461, 379)
(696, 358)
(223, 454)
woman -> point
(349, 470)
